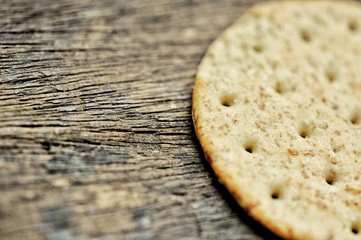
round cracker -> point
(277, 110)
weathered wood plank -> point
(96, 136)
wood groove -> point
(95, 121)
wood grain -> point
(96, 135)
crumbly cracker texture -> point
(277, 110)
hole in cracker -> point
(330, 76)
(303, 134)
(257, 48)
(352, 26)
(250, 146)
(280, 88)
(355, 118)
(228, 100)
(276, 193)
(305, 36)
(305, 131)
(355, 229)
(330, 177)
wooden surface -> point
(96, 135)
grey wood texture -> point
(96, 135)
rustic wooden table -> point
(96, 135)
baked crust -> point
(216, 124)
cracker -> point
(277, 110)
